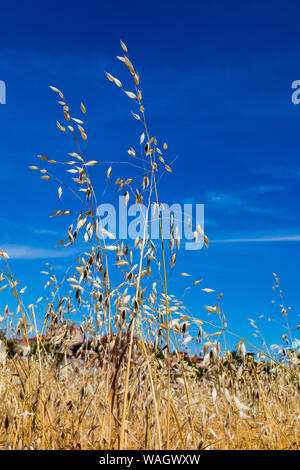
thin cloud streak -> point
(237, 201)
(31, 252)
(279, 238)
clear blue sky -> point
(216, 78)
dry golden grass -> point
(237, 406)
(134, 390)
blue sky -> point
(216, 79)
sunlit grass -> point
(126, 385)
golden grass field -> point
(244, 407)
(135, 389)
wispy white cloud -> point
(275, 238)
(241, 200)
(31, 252)
(296, 344)
(264, 188)
(16, 225)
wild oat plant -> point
(106, 370)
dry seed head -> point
(124, 47)
(126, 197)
(137, 80)
(206, 241)
(130, 94)
(62, 128)
(109, 172)
(114, 80)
